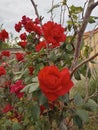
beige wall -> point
(92, 41)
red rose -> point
(53, 32)
(29, 26)
(31, 69)
(16, 88)
(18, 27)
(54, 83)
(40, 45)
(2, 71)
(23, 44)
(5, 53)
(7, 108)
(19, 56)
(23, 36)
(25, 20)
(3, 35)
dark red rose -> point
(16, 88)
(53, 32)
(54, 83)
(29, 26)
(7, 108)
(37, 21)
(5, 53)
(18, 27)
(31, 69)
(19, 56)
(4, 35)
(2, 70)
(23, 44)
(23, 36)
(25, 20)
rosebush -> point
(36, 82)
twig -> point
(52, 11)
(85, 61)
(90, 7)
(37, 14)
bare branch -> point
(38, 16)
(85, 61)
(90, 7)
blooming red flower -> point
(23, 44)
(37, 29)
(2, 70)
(18, 27)
(31, 69)
(5, 53)
(7, 108)
(40, 45)
(16, 88)
(23, 36)
(54, 83)
(25, 20)
(36, 21)
(53, 32)
(29, 26)
(19, 56)
(4, 35)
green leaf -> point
(78, 100)
(34, 87)
(77, 75)
(82, 114)
(35, 112)
(77, 121)
(76, 9)
(42, 98)
(91, 105)
(30, 87)
(16, 126)
(91, 20)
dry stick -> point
(90, 7)
(52, 11)
(37, 14)
(85, 61)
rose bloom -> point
(18, 27)
(4, 35)
(40, 45)
(19, 56)
(31, 69)
(2, 70)
(5, 53)
(23, 36)
(25, 20)
(53, 32)
(23, 44)
(54, 83)
(7, 108)
(16, 88)
(29, 26)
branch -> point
(38, 16)
(90, 7)
(85, 61)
